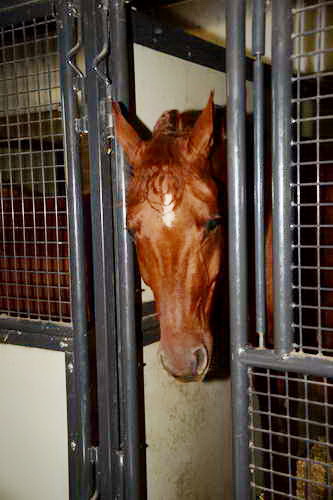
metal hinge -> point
(81, 125)
(106, 113)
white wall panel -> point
(33, 424)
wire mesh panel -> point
(34, 249)
(291, 451)
(312, 176)
(287, 396)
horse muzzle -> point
(189, 366)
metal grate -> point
(290, 424)
(34, 249)
(312, 176)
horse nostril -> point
(201, 360)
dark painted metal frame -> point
(126, 277)
(237, 225)
(243, 357)
(258, 51)
(114, 276)
(81, 444)
(110, 462)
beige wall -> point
(188, 436)
(33, 424)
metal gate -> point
(282, 397)
(54, 88)
(42, 260)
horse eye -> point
(212, 224)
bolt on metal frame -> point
(282, 431)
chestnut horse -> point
(177, 214)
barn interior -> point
(177, 57)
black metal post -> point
(258, 50)
(237, 240)
(79, 446)
(124, 263)
(110, 468)
(281, 95)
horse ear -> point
(126, 135)
(201, 138)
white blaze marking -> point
(168, 210)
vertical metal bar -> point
(72, 401)
(258, 51)
(77, 261)
(109, 457)
(281, 96)
(237, 241)
(124, 259)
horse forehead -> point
(166, 214)
(169, 199)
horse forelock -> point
(163, 166)
(162, 169)
(175, 123)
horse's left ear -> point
(201, 138)
(126, 135)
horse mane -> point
(163, 167)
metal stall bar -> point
(258, 50)
(110, 461)
(298, 363)
(124, 262)
(281, 97)
(79, 444)
(237, 239)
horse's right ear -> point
(126, 135)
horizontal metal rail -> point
(307, 364)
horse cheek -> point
(214, 260)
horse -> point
(177, 214)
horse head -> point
(174, 215)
